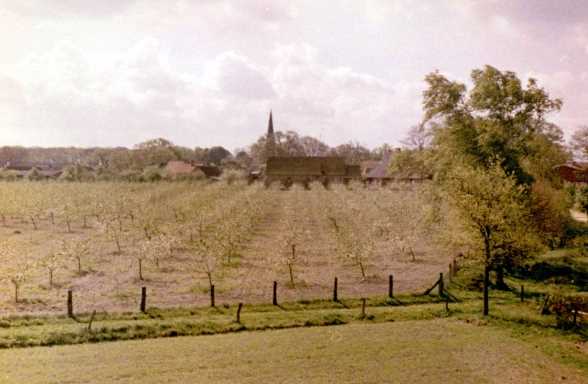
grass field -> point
(433, 351)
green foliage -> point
(76, 173)
(411, 162)
(498, 119)
(34, 175)
(570, 311)
(152, 173)
(582, 198)
(231, 176)
(493, 207)
(580, 141)
(550, 212)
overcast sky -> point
(207, 72)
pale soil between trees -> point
(579, 216)
(434, 351)
(110, 281)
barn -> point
(302, 169)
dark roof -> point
(210, 170)
(353, 170)
(380, 171)
(573, 172)
(306, 166)
(573, 165)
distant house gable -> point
(177, 167)
(380, 171)
(573, 172)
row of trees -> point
(204, 230)
(209, 226)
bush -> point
(77, 173)
(231, 176)
(582, 198)
(151, 173)
(570, 311)
(34, 175)
(8, 175)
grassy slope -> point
(514, 338)
(434, 351)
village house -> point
(178, 169)
(573, 172)
(378, 171)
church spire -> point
(270, 125)
(270, 143)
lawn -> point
(426, 351)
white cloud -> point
(207, 72)
(236, 75)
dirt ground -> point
(110, 281)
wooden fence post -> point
(522, 293)
(441, 284)
(212, 295)
(143, 298)
(363, 308)
(335, 288)
(69, 303)
(275, 295)
(447, 303)
(239, 312)
(390, 286)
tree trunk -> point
(362, 267)
(291, 274)
(487, 257)
(412, 254)
(500, 284)
(16, 287)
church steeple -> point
(270, 142)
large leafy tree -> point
(496, 120)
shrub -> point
(152, 173)
(34, 175)
(570, 311)
(231, 176)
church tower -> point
(270, 141)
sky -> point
(207, 72)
